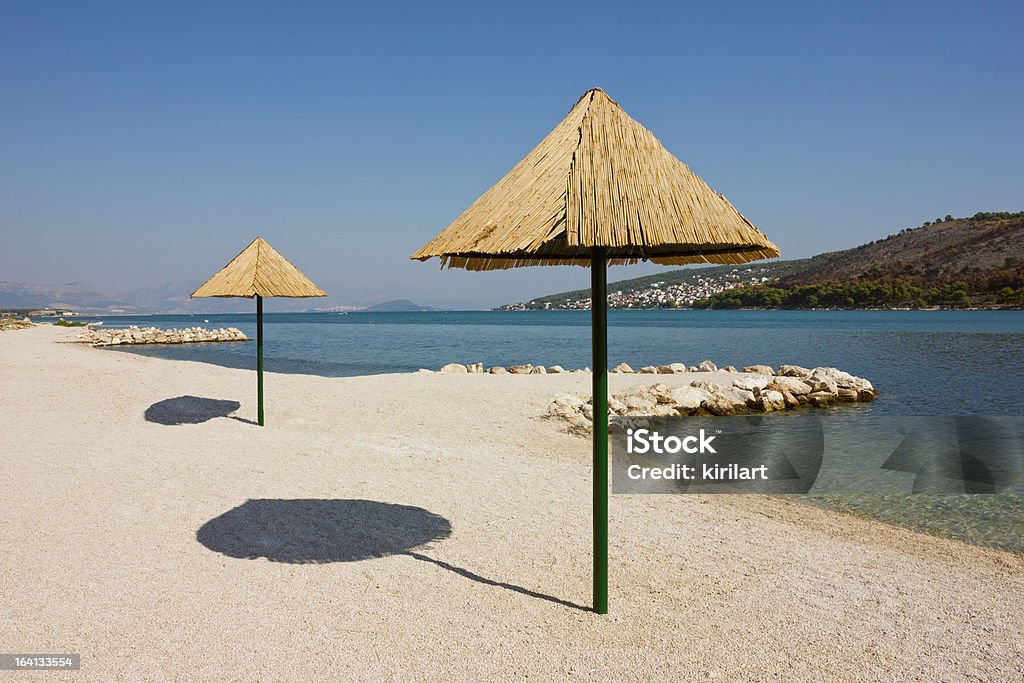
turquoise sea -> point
(922, 362)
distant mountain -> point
(397, 306)
(73, 295)
(173, 297)
(947, 262)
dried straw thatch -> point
(599, 179)
(259, 269)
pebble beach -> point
(431, 526)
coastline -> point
(104, 557)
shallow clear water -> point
(922, 362)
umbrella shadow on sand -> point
(315, 531)
(191, 410)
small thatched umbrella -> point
(599, 189)
(259, 271)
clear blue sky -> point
(148, 142)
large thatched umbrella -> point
(259, 271)
(599, 189)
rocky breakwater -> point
(718, 392)
(15, 324)
(478, 369)
(153, 335)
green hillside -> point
(975, 261)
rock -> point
(678, 368)
(556, 369)
(793, 371)
(567, 400)
(689, 399)
(820, 399)
(638, 403)
(454, 369)
(822, 383)
(707, 366)
(648, 370)
(622, 367)
(866, 395)
(741, 398)
(730, 368)
(751, 382)
(424, 371)
(841, 379)
(771, 400)
(538, 370)
(716, 404)
(661, 393)
(795, 386)
(616, 406)
(792, 402)
(665, 370)
(475, 368)
(692, 368)
(847, 395)
(580, 424)
(520, 369)
(497, 370)
(760, 370)
(619, 424)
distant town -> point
(669, 292)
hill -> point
(951, 262)
(946, 262)
(671, 289)
(397, 306)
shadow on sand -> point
(315, 531)
(191, 410)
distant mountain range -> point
(73, 296)
(172, 297)
(975, 261)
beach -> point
(125, 540)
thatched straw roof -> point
(259, 269)
(599, 179)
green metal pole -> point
(599, 337)
(259, 359)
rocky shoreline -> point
(15, 324)
(153, 335)
(758, 389)
(478, 369)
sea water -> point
(921, 362)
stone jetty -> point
(478, 369)
(153, 335)
(8, 323)
(758, 389)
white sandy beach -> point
(100, 555)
